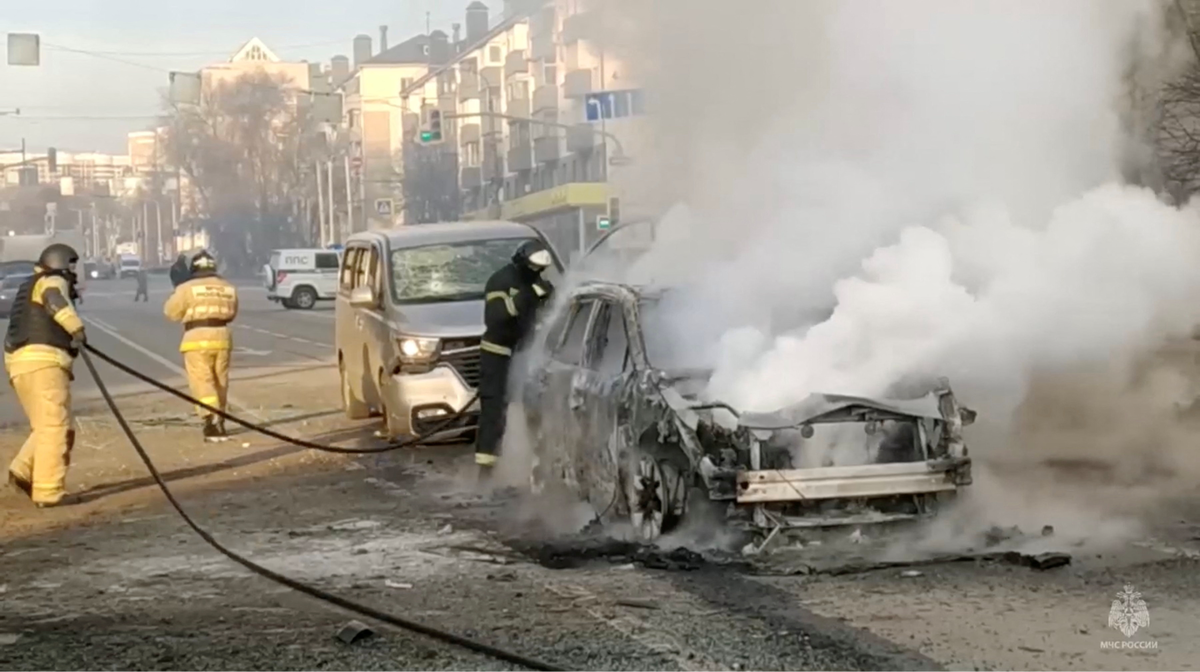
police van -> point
(298, 278)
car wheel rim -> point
(305, 301)
(647, 497)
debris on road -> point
(911, 573)
(636, 603)
(354, 631)
(397, 584)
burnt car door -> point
(599, 390)
(552, 396)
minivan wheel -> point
(304, 297)
(352, 406)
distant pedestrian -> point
(142, 293)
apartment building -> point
(517, 125)
(373, 117)
(87, 171)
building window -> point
(495, 54)
(551, 75)
(518, 90)
(471, 156)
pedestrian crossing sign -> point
(383, 207)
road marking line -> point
(111, 331)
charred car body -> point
(636, 441)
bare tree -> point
(247, 149)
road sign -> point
(383, 207)
(603, 223)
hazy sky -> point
(82, 102)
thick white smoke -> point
(878, 189)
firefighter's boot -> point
(211, 431)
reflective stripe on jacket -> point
(204, 298)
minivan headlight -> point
(416, 349)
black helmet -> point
(532, 254)
(59, 257)
(203, 261)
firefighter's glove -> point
(78, 339)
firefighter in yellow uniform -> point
(205, 303)
(43, 339)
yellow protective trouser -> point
(208, 377)
(45, 395)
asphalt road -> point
(266, 335)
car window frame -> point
(596, 341)
(575, 310)
(349, 260)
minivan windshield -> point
(448, 271)
(13, 281)
(130, 262)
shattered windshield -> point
(448, 272)
(670, 344)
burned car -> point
(636, 441)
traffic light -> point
(433, 131)
(614, 211)
(52, 160)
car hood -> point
(456, 319)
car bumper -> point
(417, 401)
(875, 480)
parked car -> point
(130, 267)
(8, 291)
(98, 269)
(409, 318)
(298, 278)
(612, 418)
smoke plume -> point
(935, 187)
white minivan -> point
(298, 278)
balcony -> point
(518, 107)
(543, 48)
(469, 133)
(492, 125)
(545, 98)
(546, 149)
(578, 83)
(520, 157)
(582, 138)
(578, 27)
(468, 85)
(471, 177)
(516, 64)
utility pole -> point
(158, 248)
(350, 198)
(145, 237)
(329, 185)
(320, 206)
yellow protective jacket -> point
(205, 305)
(37, 356)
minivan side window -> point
(375, 271)
(571, 350)
(348, 263)
(327, 261)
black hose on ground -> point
(437, 429)
(369, 612)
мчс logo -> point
(1129, 612)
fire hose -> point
(349, 605)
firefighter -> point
(205, 303)
(513, 296)
(43, 339)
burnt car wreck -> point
(637, 443)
